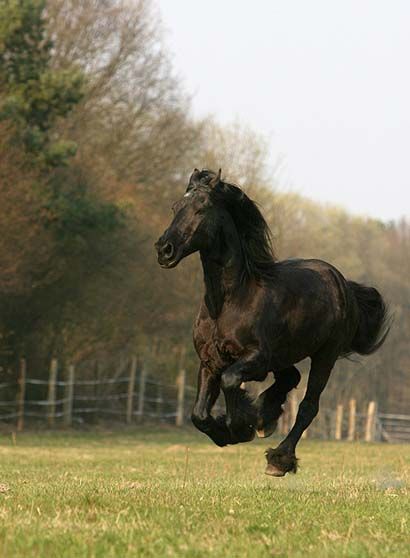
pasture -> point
(166, 493)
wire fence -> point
(135, 397)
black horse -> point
(260, 315)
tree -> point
(50, 216)
(26, 247)
(34, 95)
(134, 121)
(79, 277)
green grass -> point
(169, 493)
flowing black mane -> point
(254, 232)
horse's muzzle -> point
(166, 253)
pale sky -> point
(327, 81)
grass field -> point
(169, 493)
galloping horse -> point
(260, 315)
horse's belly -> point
(292, 347)
(284, 358)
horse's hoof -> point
(279, 460)
(266, 431)
(273, 471)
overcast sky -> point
(327, 81)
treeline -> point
(96, 141)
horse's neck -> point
(222, 266)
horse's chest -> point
(217, 354)
(218, 350)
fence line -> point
(22, 395)
(137, 397)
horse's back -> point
(310, 304)
(310, 277)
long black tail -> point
(374, 322)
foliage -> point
(51, 219)
(96, 142)
(33, 95)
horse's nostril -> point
(168, 250)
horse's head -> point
(195, 221)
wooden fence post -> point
(339, 422)
(293, 400)
(141, 392)
(69, 396)
(131, 388)
(52, 392)
(96, 390)
(280, 424)
(352, 420)
(160, 401)
(284, 423)
(179, 421)
(370, 422)
(305, 433)
(21, 395)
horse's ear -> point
(215, 181)
(194, 175)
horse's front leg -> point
(209, 386)
(247, 369)
(241, 415)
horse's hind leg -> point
(282, 459)
(269, 403)
(245, 415)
